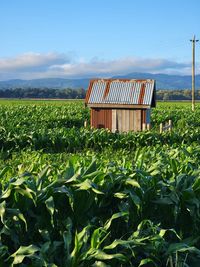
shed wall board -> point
(122, 120)
(143, 116)
(131, 122)
(101, 118)
(127, 125)
(114, 120)
(137, 120)
(119, 120)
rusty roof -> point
(121, 92)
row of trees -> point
(69, 93)
(176, 95)
(43, 93)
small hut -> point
(120, 104)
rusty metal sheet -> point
(97, 92)
(148, 94)
(121, 91)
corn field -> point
(78, 197)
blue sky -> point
(86, 38)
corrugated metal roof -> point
(120, 91)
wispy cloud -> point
(36, 65)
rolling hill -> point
(163, 81)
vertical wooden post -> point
(114, 120)
(170, 125)
(148, 126)
(161, 128)
(193, 71)
(85, 123)
(144, 126)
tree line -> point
(48, 93)
(80, 93)
(186, 94)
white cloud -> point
(32, 61)
(36, 65)
(120, 66)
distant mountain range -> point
(163, 81)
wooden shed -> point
(120, 104)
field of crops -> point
(78, 197)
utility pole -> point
(193, 71)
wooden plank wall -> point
(101, 118)
(122, 120)
(125, 120)
(114, 120)
(137, 120)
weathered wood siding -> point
(101, 118)
(122, 120)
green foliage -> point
(44, 93)
(72, 196)
(79, 218)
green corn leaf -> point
(135, 199)
(97, 236)
(190, 250)
(92, 167)
(22, 218)
(67, 236)
(120, 242)
(45, 247)
(74, 178)
(22, 252)
(100, 264)
(18, 182)
(4, 171)
(121, 195)
(97, 191)
(88, 184)
(196, 185)
(64, 190)
(3, 252)
(42, 176)
(18, 214)
(114, 216)
(6, 193)
(132, 182)
(69, 172)
(80, 239)
(147, 261)
(26, 192)
(2, 210)
(92, 175)
(100, 255)
(51, 208)
(164, 231)
(182, 247)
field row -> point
(77, 197)
(58, 128)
